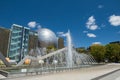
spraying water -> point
(67, 55)
(69, 47)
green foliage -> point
(51, 48)
(98, 52)
(81, 50)
(113, 52)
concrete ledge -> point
(99, 77)
(4, 73)
(35, 71)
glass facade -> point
(18, 42)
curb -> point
(99, 77)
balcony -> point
(15, 42)
(14, 37)
(16, 31)
(12, 49)
(13, 54)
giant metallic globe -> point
(46, 37)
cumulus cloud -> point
(61, 33)
(32, 24)
(91, 35)
(91, 23)
(96, 43)
(39, 26)
(114, 20)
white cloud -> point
(91, 23)
(91, 35)
(100, 6)
(114, 20)
(39, 26)
(32, 24)
(96, 43)
(61, 34)
(93, 27)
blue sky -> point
(90, 21)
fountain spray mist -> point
(69, 47)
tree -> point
(81, 50)
(113, 52)
(97, 51)
(51, 49)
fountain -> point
(69, 52)
(67, 57)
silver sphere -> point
(46, 37)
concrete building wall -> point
(4, 40)
(60, 43)
(33, 40)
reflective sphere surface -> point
(46, 37)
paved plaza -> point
(81, 74)
(2, 77)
